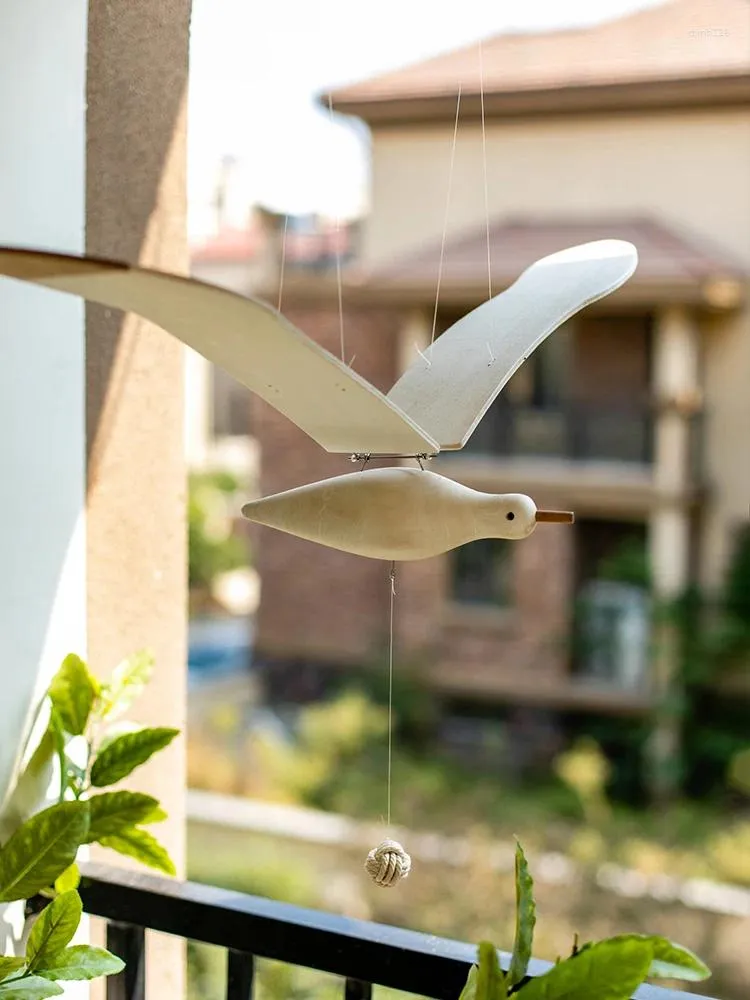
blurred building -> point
(636, 414)
(247, 260)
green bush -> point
(213, 548)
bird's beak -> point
(556, 516)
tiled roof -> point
(677, 40)
(666, 255)
(229, 245)
(306, 243)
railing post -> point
(356, 990)
(129, 944)
(240, 975)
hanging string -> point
(390, 690)
(445, 218)
(337, 235)
(282, 263)
(388, 863)
(484, 166)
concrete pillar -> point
(135, 211)
(42, 436)
(92, 497)
(676, 384)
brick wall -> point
(612, 360)
(523, 647)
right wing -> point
(251, 341)
(448, 390)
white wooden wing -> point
(449, 389)
(251, 341)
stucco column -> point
(42, 430)
(135, 211)
(676, 382)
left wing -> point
(448, 391)
(252, 342)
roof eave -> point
(659, 94)
(722, 293)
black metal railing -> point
(577, 431)
(362, 954)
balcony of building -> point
(580, 421)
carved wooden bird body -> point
(394, 514)
(435, 406)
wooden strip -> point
(555, 516)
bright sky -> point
(256, 68)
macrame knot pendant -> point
(388, 863)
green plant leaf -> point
(41, 849)
(53, 929)
(29, 988)
(58, 735)
(608, 970)
(490, 979)
(129, 678)
(139, 844)
(525, 919)
(31, 787)
(113, 812)
(72, 692)
(128, 752)
(114, 731)
(70, 879)
(10, 965)
(82, 961)
(469, 992)
(670, 960)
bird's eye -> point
(510, 515)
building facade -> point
(636, 414)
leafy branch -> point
(611, 969)
(93, 751)
(102, 752)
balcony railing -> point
(573, 431)
(362, 954)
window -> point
(542, 382)
(482, 573)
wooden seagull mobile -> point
(387, 513)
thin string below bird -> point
(388, 863)
(390, 693)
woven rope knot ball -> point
(388, 863)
